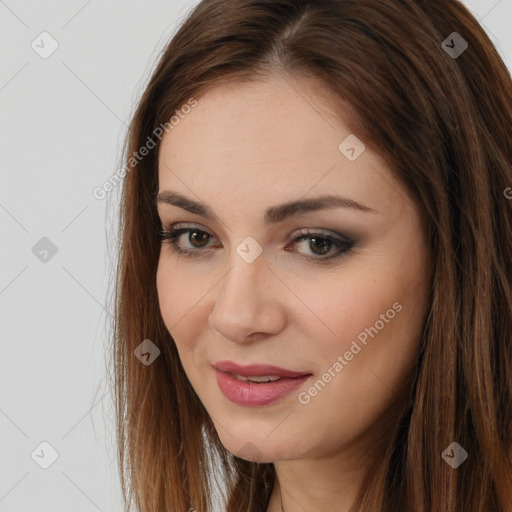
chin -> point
(257, 448)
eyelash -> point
(171, 236)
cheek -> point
(166, 290)
(340, 306)
(178, 290)
(176, 301)
(362, 367)
(371, 319)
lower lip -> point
(251, 394)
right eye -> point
(197, 239)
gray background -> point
(63, 119)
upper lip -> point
(256, 370)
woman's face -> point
(342, 307)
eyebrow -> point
(273, 214)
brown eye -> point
(198, 238)
(321, 245)
(196, 241)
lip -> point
(251, 394)
(256, 394)
(255, 370)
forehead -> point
(270, 117)
(274, 137)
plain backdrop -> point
(63, 118)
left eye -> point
(320, 244)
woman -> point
(314, 302)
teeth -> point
(260, 378)
(239, 377)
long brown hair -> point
(443, 123)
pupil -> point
(324, 243)
(194, 237)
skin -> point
(244, 148)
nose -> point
(247, 305)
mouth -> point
(257, 372)
(257, 379)
(257, 384)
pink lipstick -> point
(256, 384)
